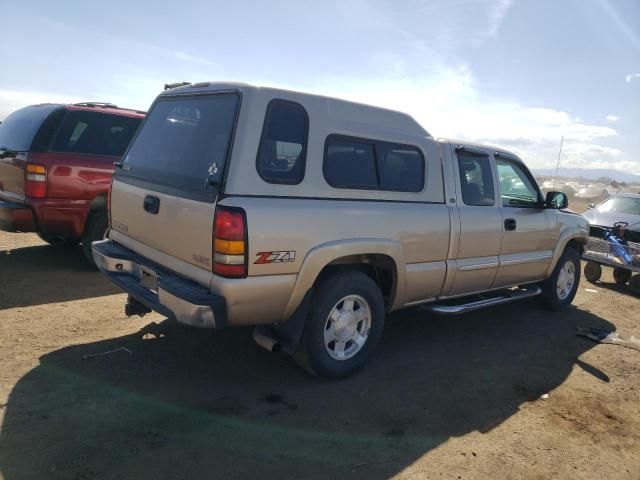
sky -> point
(520, 74)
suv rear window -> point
(183, 142)
(95, 133)
(283, 146)
(18, 129)
(373, 165)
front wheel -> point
(559, 290)
(345, 323)
(592, 271)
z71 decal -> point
(275, 257)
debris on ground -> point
(604, 336)
(108, 352)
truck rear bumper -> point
(158, 289)
(16, 217)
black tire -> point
(592, 271)
(58, 240)
(312, 354)
(634, 285)
(621, 275)
(95, 229)
(550, 298)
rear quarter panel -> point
(76, 176)
(414, 235)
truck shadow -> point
(182, 403)
(44, 274)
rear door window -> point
(183, 144)
(476, 179)
(18, 130)
(95, 133)
(283, 146)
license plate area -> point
(149, 279)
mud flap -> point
(288, 334)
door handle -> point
(510, 224)
(151, 204)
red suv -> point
(56, 163)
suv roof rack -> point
(96, 104)
(169, 86)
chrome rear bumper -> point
(159, 289)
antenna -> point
(555, 179)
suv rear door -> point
(163, 196)
(17, 134)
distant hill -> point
(589, 174)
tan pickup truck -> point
(311, 218)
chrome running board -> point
(505, 297)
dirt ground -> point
(451, 398)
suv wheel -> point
(344, 325)
(58, 240)
(95, 229)
(559, 290)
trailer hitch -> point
(134, 307)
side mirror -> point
(557, 200)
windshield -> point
(19, 128)
(630, 205)
(183, 143)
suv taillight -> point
(35, 184)
(230, 242)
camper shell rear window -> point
(183, 145)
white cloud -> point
(612, 118)
(631, 76)
(447, 103)
(185, 57)
(497, 13)
(11, 100)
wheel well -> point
(577, 245)
(381, 269)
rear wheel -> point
(593, 271)
(58, 240)
(345, 323)
(621, 275)
(559, 290)
(95, 229)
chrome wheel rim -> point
(347, 327)
(566, 280)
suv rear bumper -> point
(16, 217)
(175, 297)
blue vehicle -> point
(614, 240)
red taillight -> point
(35, 184)
(229, 242)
